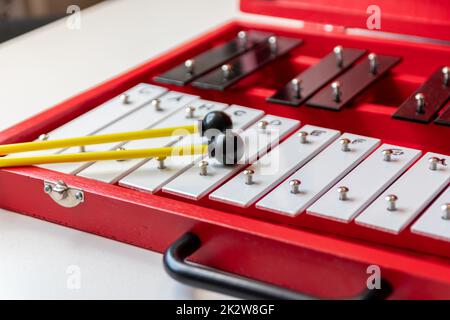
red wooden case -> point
(319, 257)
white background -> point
(51, 64)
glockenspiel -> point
(346, 167)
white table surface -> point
(51, 64)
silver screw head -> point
(48, 188)
(387, 154)
(391, 200)
(273, 43)
(303, 135)
(79, 196)
(343, 191)
(338, 53)
(242, 35)
(295, 185)
(445, 211)
(446, 74)
(336, 87)
(190, 112)
(161, 164)
(189, 64)
(263, 124)
(296, 87)
(226, 70)
(156, 103)
(203, 165)
(44, 137)
(248, 173)
(373, 62)
(125, 98)
(433, 162)
(345, 142)
(420, 101)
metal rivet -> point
(203, 165)
(189, 64)
(79, 196)
(420, 102)
(303, 135)
(263, 124)
(345, 144)
(161, 164)
(156, 103)
(446, 74)
(273, 43)
(125, 98)
(296, 87)
(387, 154)
(44, 137)
(434, 161)
(226, 70)
(337, 93)
(373, 63)
(343, 193)
(242, 36)
(445, 211)
(339, 54)
(391, 200)
(295, 186)
(249, 176)
(48, 188)
(190, 112)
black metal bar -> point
(247, 63)
(435, 93)
(316, 77)
(213, 58)
(215, 280)
(352, 83)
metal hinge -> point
(64, 195)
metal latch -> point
(64, 195)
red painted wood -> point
(300, 253)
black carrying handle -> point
(215, 280)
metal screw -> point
(156, 103)
(387, 154)
(296, 87)
(161, 164)
(336, 86)
(434, 161)
(44, 137)
(263, 125)
(189, 64)
(339, 54)
(125, 98)
(343, 191)
(242, 36)
(226, 70)
(420, 102)
(190, 112)
(446, 211)
(303, 137)
(446, 73)
(373, 63)
(79, 196)
(295, 186)
(203, 165)
(48, 188)
(249, 176)
(391, 199)
(345, 144)
(273, 43)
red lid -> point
(424, 18)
